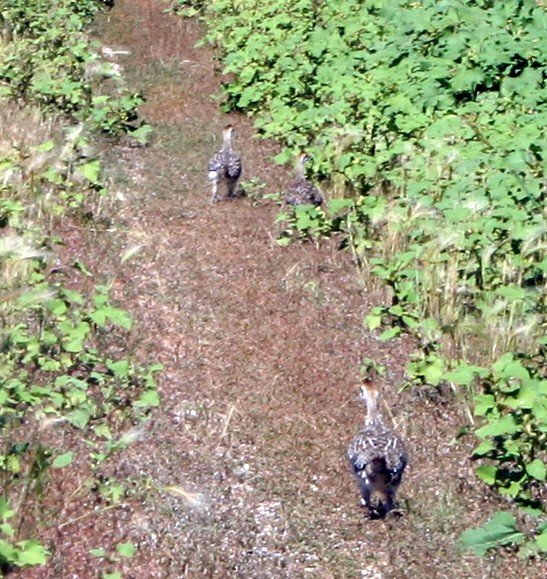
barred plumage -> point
(301, 191)
(225, 166)
(378, 457)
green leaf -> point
(283, 241)
(7, 529)
(126, 549)
(541, 540)
(113, 315)
(31, 553)
(119, 368)
(483, 404)
(98, 552)
(433, 374)
(484, 448)
(487, 473)
(79, 417)
(5, 511)
(499, 426)
(91, 170)
(464, 374)
(373, 321)
(73, 345)
(336, 205)
(499, 530)
(142, 134)
(7, 552)
(536, 469)
(63, 460)
(390, 333)
(149, 398)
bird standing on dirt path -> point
(378, 457)
(301, 191)
(225, 166)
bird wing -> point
(233, 166)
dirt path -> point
(261, 347)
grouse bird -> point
(301, 191)
(225, 166)
(378, 457)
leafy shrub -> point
(502, 530)
(49, 61)
(57, 363)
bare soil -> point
(261, 347)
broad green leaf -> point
(91, 170)
(7, 530)
(283, 241)
(126, 549)
(499, 530)
(484, 448)
(464, 374)
(98, 552)
(499, 426)
(79, 417)
(119, 368)
(31, 553)
(63, 460)
(541, 540)
(336, 205)
(483, 404)
(487, 473)
(142, 134)
(433, 374)
(373, 321)
(7, 552)
(537, 469)
(5, 511)
(390, 333)
(148, 398)
(73, 345)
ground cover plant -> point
(48, 60)
(426, 123)
(67, 396)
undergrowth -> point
(426, 124)
(70, 398)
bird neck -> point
(374, 422)
(227, 140)
(299, 170)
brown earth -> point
(261, 347)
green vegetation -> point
(48, 60)
(67, 395)
(427, 126)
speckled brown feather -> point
(378, 457)
(225, 166)
(301, 191)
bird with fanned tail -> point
(301, 191)
(225, 166)
(377, 456)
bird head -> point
(368, 390)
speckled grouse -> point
(378, 457)
(301, 191)
(225, 166)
